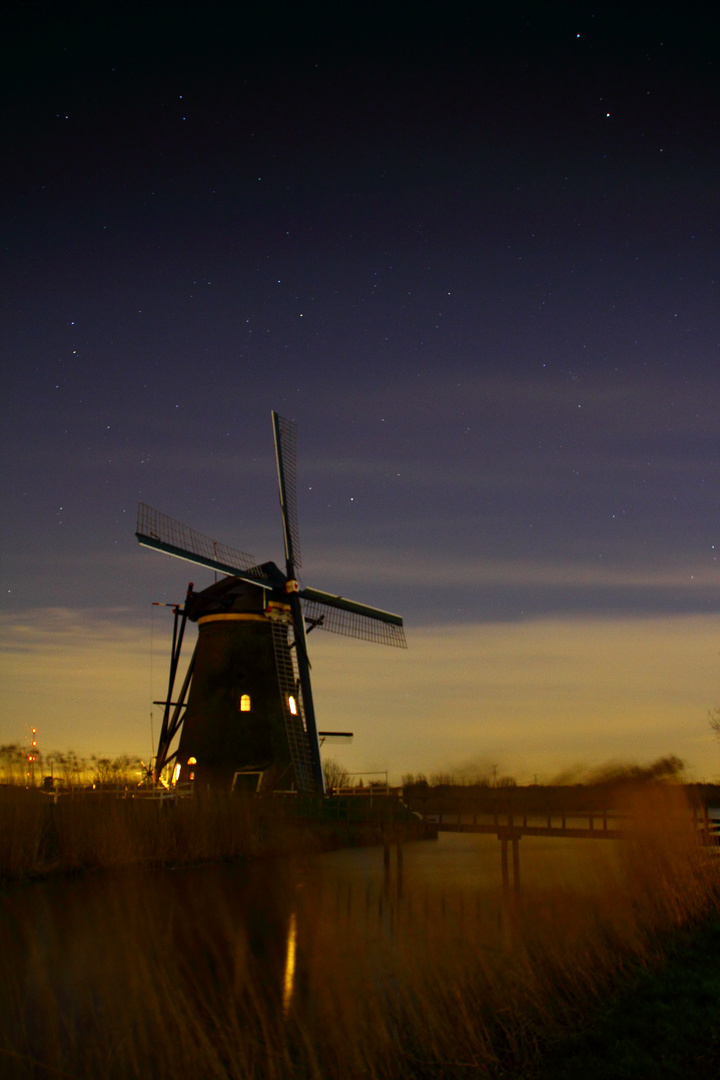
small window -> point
(244, 703)
(292, 705)
(192, 761)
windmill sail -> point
(285, 434)
(249, 696)
(163, 533)
(341, 616)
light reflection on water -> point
(342, 923)
(463, 862)
(289, 973)
(434, 897)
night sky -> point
(476, 257)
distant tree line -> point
(669, 767)
(21, 765)
(450, 779)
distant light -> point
(245, 703)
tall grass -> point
(97, 830)
(187, 974)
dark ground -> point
(664, 1026)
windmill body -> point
(246, 703)
(237, 719)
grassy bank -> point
(663, 1024)
(235, 976)
(41, 836)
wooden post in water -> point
(504, 866)
(386, 863)
(505, 834)
(400, 854)
(516, 863)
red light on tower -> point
(32, 756)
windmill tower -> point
(246, 701)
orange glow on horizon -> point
(533, 697)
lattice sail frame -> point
(334, 615)
(172, 534)
(286, 453)
(351, 624)
(295, 726)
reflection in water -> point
(324, 967)
(222, 957)
(289, 976)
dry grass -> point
(166, 975)
(97, 830)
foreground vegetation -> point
(44, 834)
(89, 830)
(241, 975)
(662, 1025)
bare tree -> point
(69, 769)
(117, 772)
(415, 780)
(13, 763)
(335, 774)
(714, 719)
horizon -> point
(475, 259)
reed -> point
(129, 974)
(41, 835)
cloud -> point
(411, 570)
(536, 696)
(533, 697)
(81, 677)
(650, 405)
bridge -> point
(510, 828)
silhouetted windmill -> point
(249, 699)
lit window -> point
(292, 705)
(245, 703)
(176, 773)
(192, 761)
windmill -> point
(246, 705)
